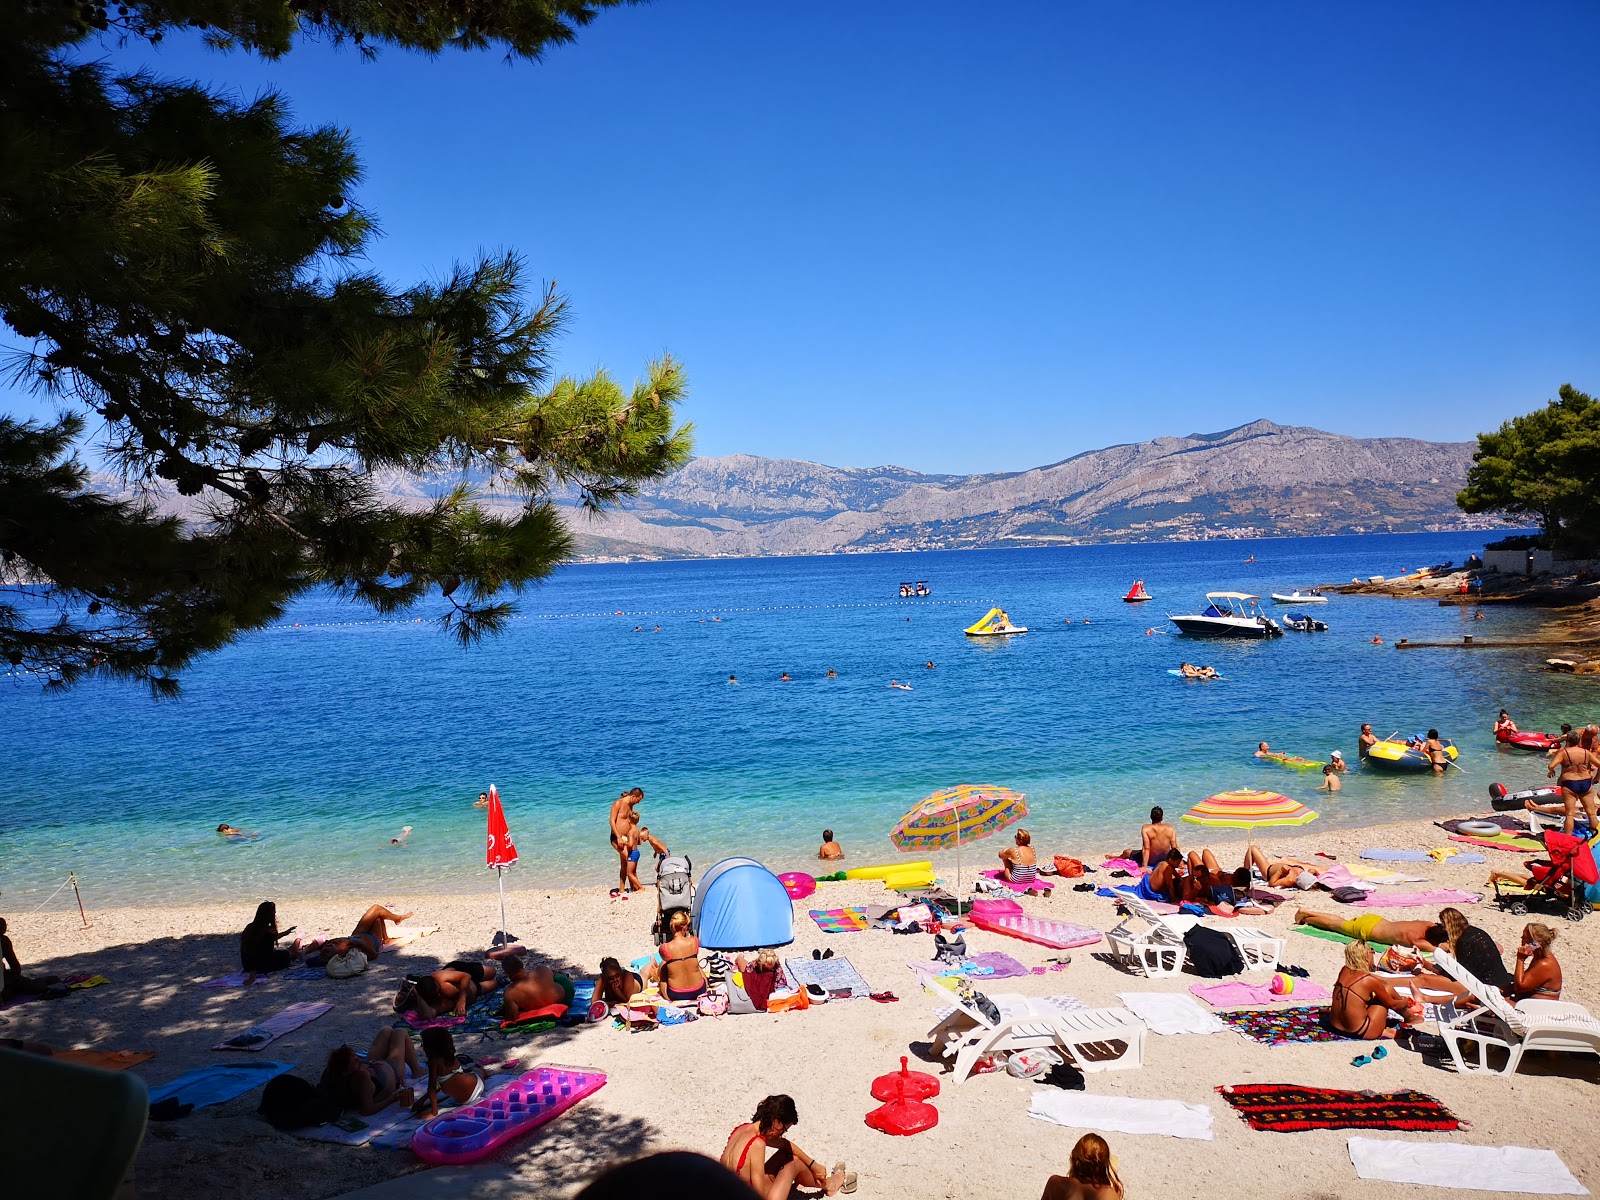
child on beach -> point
(1330, 780)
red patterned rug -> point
(1287, 1108)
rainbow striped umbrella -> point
(1248, 808)
(956, 815)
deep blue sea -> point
(331, 732)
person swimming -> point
(895, 683)
(405, 832)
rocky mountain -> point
(1261, 479)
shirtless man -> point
(1282, 872)
(621, 830)
(1156, 840)
(830, 849)
(1374, 927)
(12, 981)
(1263, 750)
(1577, 766)
(1366, 741)
(532, 988)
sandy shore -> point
(687, 1087)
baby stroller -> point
(1557, 885)
(674, 892)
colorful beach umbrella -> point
(1248, 808)
(950, 818)
(500, 854)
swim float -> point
(798, 884)
(880, 871)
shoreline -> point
(825, 1058)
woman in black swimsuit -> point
(1362, 1001)
(372, 1085)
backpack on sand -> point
(1212, 954)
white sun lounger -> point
(1259, 949)
(1091, 1037)
(1497, 1024)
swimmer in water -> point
(482, 801)
(930, 665)
(784, 678)
(895, 683)
(228, 831)
(733, 679)
(832, 674)
(405, 832)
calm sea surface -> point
(330, 735)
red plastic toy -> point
(904, 1115)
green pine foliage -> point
(182, 271)
(1546, 465)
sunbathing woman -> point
(1091, 1176)
(373, 1085)
(259, 952)
(460, 1084)
(1019, 862)
(370, 935)
(449, 989)
(774, 1178)
(1281, 872)
(1362, 1001)
(680, 975)
(618, 986)
(1374, 927)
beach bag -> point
(989, 1009)
(345, 966)
(1212, 954)
(1068, 868)
(949, 948)
(1030, 1064)
(714, 1003)
(289, 1103)
(739, 1002)
(1349, 895)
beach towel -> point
(991, 964)
(236, 979)
(832, 975)
(79, 982)
(1116, 893)
(1381, 855)
(1340, 876)
(274, 1027)
(1516, 845)
(1437, 898)
(1123, 864)
(300, 974)
(1452, 857)
(1236, 994)
(1121, 1114)
(1058, 935)
(1170, 1013)
(1289, 1108)
(1280, 1026)
(1379, 875)
(1507, 821)
(212, 1085)
(1039, 884)
(1474, 1168)
(106, 1060)
(840, 920)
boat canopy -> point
(1231, 596)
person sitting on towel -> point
(446, 1073)
(1155, 840)
(1375, 927)
(371, 1085)
(529, 989)
(618, 985)
(259, 952)
(1362, 1002)
(773, 1166)
(1208, 883)
(370, 935)
(1019, 862)
(1091, 1175)
(680, 975)
(14, 983)
(447, 990)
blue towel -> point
(1462, 857)
(1396, 856)
(212, 1085)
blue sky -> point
(974, 238)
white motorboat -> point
(1310, 596)
(1228, 614)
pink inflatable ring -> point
(798, 884)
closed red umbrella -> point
(501, 853)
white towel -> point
(1171, 1012)
(1476, 1168)
(1122, 1114)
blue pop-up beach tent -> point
(740, 905)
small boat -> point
(1527, 741)
(1309, 596)
(1228, 614)
(1293, 761)
(994, 623)
(1137, 594)
(1301, 623)
(1395, 755)
(1504, 801)
(923, 589)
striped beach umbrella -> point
(954, 816)
(1248, 808)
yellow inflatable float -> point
(882, 872)
(908, 879)
(994, 623)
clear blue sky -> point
(965, 237)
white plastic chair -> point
(1497, 1024)
(1089, 1036)
(1259, 949)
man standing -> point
(622, 818)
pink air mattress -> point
(1058, 935)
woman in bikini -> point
(1577, 766)
(371, 1085)
(774, 1178)
(1362, 1002)
(460, 1084)
(370, 935)
(681, 977)
(1538, 974)
(617, 985)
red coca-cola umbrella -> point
(501, 853)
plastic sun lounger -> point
(1259, 949)
(1497, 1024)
(1089, 1036)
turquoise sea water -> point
(329, 735)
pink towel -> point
(1123, 864)
(1039, 884)
(1433, 899)
(1237, 995)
